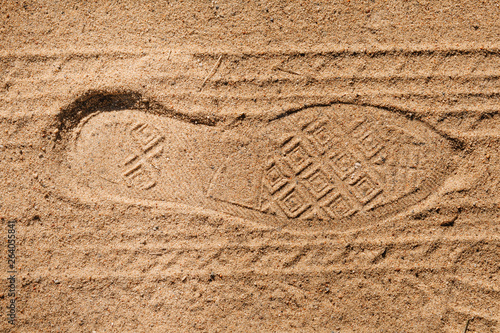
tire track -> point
(408, 255)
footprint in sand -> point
(339, 166)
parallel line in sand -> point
(262, 95)
(450, 111)
(242, 63)
(458, 48)
(302, 241)
(470, 203)
(465, 203)
(271, 79)
(278, 256)
(239, 69)
(138, 274)
(96, 276)
(268, 97)
(83, 242)
(265, 78)
(484, 206)
(374, 244)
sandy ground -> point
(250, 166)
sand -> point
(236, 166)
